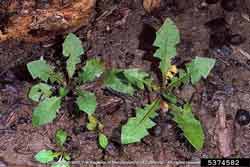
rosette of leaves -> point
(167, 39)
(53, 87)
(125, 81)
(44, 93)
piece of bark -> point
(34, 24)
(224, 134)
(151, 5)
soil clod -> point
(228, 5)
(236, 39)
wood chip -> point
(150, 5)
(245, 16)
(224, 135)
(241, 51)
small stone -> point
(203, 6)
(22, 120)
(112, 149)
(242, 117)
(156, 131)
(224, 51)
(13, 127)
(108, 28)
(3, 163)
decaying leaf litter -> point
(230, 87)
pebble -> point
(156, 131)
(13, 127)
(203, 6)
(22, 120)
(112, 149)
(242, 117)
(3, 164)
(224, 51)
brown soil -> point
(121, 34)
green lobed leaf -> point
(166, 40)
(61, 137)
(103, 140)
(71, 65)
(115, 80)
(189, 124)
(72, 48)
(40, 69)
(45, 112)
(137, 127)
(200, 67)
(86, 102)
(45, 156)
(138, 78)
(40, 91)
(92, 70)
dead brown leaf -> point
(150, 5)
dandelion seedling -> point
(49, 156)
(50, 99)
(126, 81)
(137, 127)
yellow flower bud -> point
(169, 75)
(164, 106)
(174, 69)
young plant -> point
(137, 127)
(48, 156)
(125, 81)
(49, 98)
